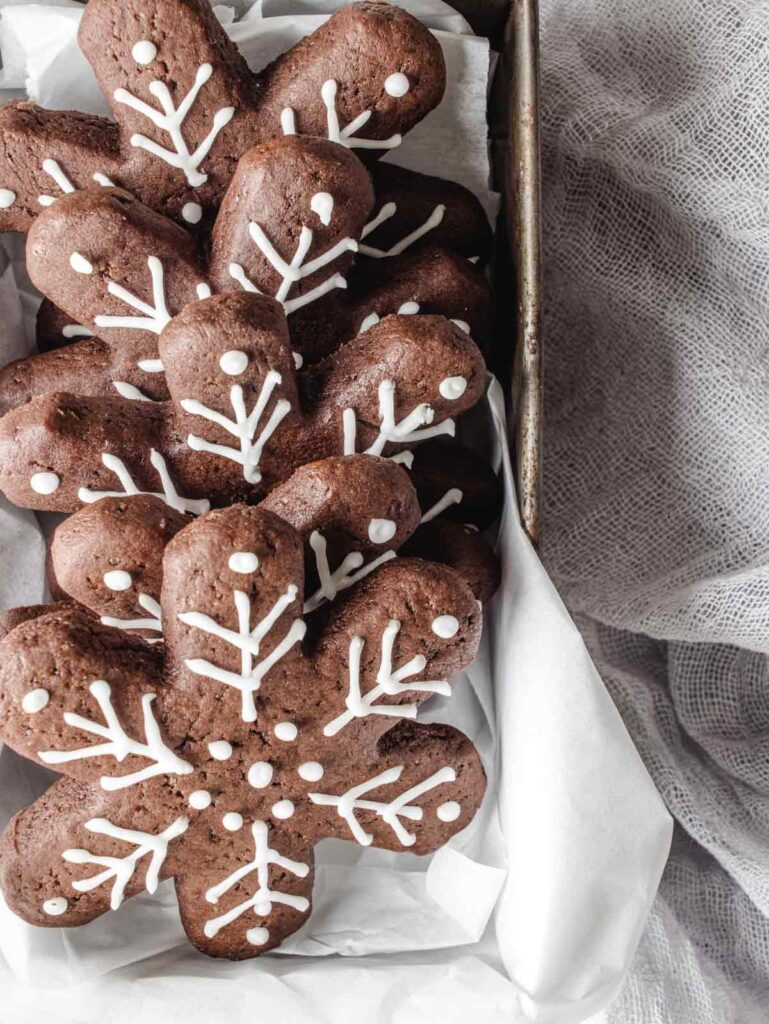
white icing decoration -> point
(388, 211)
(152, 622)
(220, 750)
(55, 907)
(344, 576)
(35, 700)
(391, 813)
(381, 530)
(452, 497)
(389, 682)
(117, 579)
(151, 365)
(244, 426)
(199, 799)
(407, 430)
(257, 936)
(122, 869)
(76, 331)
(102, 179)
(449, 811)
(445, 626)
(232, 821)
(286, 731)
(44, 483)
(248, 641)
(463, 325)
(260, 774)
(310, 771)
(170, 119)
(298, 360)
(80, 264)
(144, 52)
(7, 198)
(282, 810)
(345, 136)
(452, 387)
(53, 170)
(243, 562)
(130, 391)
(155, 317)
(234, 362)
(264, 897)
(287, 121)
(192, 212)
(406, 309)
(296, 270)
(119, 744)
(322, 203)
(169, 495)
(397, 85)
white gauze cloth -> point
(656, 476)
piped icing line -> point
(452, 497)
(155, 316)
(391, 813)
(122, 868)
(170, 119)
(130, 391)
(76, 331)
(172, 498)
(119, 744)
(152, 622)
(349, 572)
(416, 426)
(389, 682)
(347, 136)
(54, 171)
(264, 897)
(388, 211)
(248, 642)
(406, 309)
(243, 426)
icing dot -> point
(7, 198)
(282, 809)
(322, 203)
(381, 530)
(232, 821)
(298, 360)
(449, 811)
(80, 264)
(35, 700)
(200, 799)
(408, 309)
(260, 774)
(144, 52)
(286, 731)
(234, 362)
(192, 212)
(396, 85)
(311, 771)
(445, 626)
(44, 483)
(117, 579)
(257, 936)
(243, 561)
(220, 750)
(463, 325)
(452, 387)
(56, 906)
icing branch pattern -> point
(170, 119)
(391, 813)
(413, 427)
(122, 868)
(119, 744)
(248, 642)
(152, 607)
(54, 170)
(169, 494)
(349, 571)
(388, 211)
(346, 136)
(452, 497)
(389, 683)
(296, 269)
(264, 897)
(244, 426)
(155, 317)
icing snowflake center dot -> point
(232, 821)
(192, 212)
(7, 198)
(44, 483)
(260, 774)
(234, 362)
(243, 562)
(55, 907)
(449, 811)
(144, 52)
(310, 771)
(199, 799)
(286, 731)
(80, 264)
(381, 530)
(35, 700)
(282, 810)
(117, 579)
(396, 85)
(445, 626)
(220, 750)
(452, 387)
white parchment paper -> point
(567, 849)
